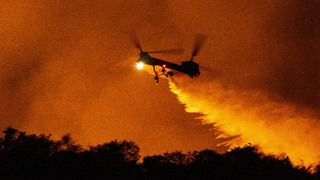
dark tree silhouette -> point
(208, 163)
(24, 155)
(118, 151)
(33, 156)
(317, 172)
(169, 164)
(18, 142)
(67, 144)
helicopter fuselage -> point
(188, 67)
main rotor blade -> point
(134, 38)
(200, 39)
(169, 51)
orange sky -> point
(65, 68)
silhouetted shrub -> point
(118, 151)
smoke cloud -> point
(64, 68)
(267, 87)
(275, 127)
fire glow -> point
(275, 128)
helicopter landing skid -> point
(156, 77)
(167, 74)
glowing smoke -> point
(57, 77)
(275, 127)
(59, 74)
(268, 88)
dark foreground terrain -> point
(32, 156)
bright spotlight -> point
(140, 65)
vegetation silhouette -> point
(24, 156)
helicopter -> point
(188, 67)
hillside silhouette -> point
(30, 156)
